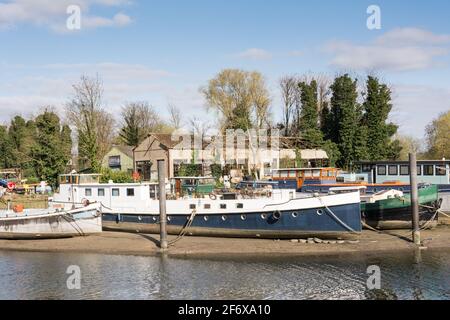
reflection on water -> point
(420, 275)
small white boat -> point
(50, 223)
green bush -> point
(116, 176)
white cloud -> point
(255, 54)
(397, 50)
(45, 85)
(415, 106)
(53, 15)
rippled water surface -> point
(420, 275)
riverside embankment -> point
(117, 243)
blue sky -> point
(163, 51)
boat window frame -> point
(113, 190)
(192, 206)
(378, 170)
(392, 166)
(223, 206)
(207, 206)
(239, 206)
(86, 192)
(419, 170)
(431, 172)
(402, 166)
(129, 189)
(98, 192)
(440, 171)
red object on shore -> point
(11, 185)
(18, 208)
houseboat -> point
(277, 213)
(310, 180)
(391, 209)
(18, 223)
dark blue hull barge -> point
(336, 222)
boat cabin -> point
(295, 178)
(193, 185)
(428, 171)
(76, 189)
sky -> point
(164, 51)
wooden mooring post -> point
(162, 205)
(414, 198)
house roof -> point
(125, 149)
(166, 140)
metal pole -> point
(414, 198)
(162, 204)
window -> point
(207, 206)
(101, 192)
(88, 192)
(393, 170)
(114, 161)
(292, 174)
(130, 192)
(404, 170)
(428, 170)
(381, 170)
(115, 192)
(240, 205)
(440, 171)
(419, 170)
(284, 174)
(223, 206)
(192, 206)
(366, 168)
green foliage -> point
(345, 121)
(51, 151)
(189, 170)
(116, 176)
(309, 117)
(6, 149)
(332, 150)
(437, 136)
(377, 107)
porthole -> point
(224, 218)
(264, 216)
(243, 217)
(205, 218)
(294, 214)
(320, 212)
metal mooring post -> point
(414, 198)
(162, 205)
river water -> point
(419, 275)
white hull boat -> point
(48, 223)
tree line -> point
(347, 119)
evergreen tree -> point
(377, 107)
(51, 151)
(345, 123)
(309, 118)
(6, 149)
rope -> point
(184, 230)
(70, 219)
(337, 218)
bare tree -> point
(174, 116)
(94, 126)
(288, 87)
(138, 120)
